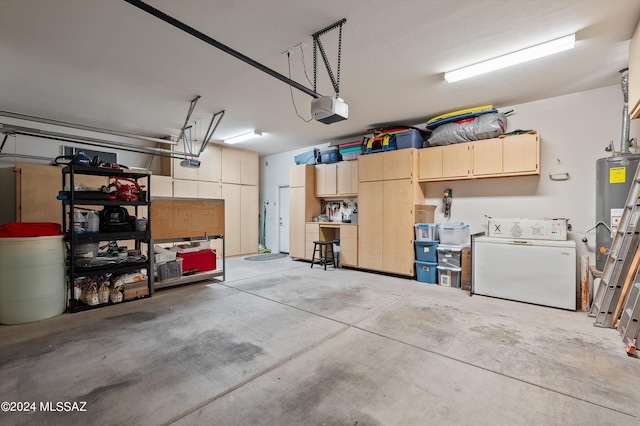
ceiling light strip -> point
(243, 137)
(518, 57)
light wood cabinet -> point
(312, 233)
(634, 74)
(397, 164)
(209, 190)
(348, 178)
(249, 219)
(231, 165)
(370, 208)
(521, 154)
(515, 155)
(239, 166)
(456, 161)
(37, 187)
(326, 176)
(303, 205)
(232, 214)
(210, 164)
(370, 167)
(398, 226)
(185, 188)
(386, 214)
(349, 245)
(249, 168)
(161, 186)
(487, 157)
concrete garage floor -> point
(279, 343)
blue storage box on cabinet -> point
(409, 139)
(309, 157)
(426, 251)
(427, 272)
(330, 155)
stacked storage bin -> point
(453, 239)
(426, 245)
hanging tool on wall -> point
(447, 199)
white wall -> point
(574, 130)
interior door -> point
(283, 219)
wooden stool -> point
(324, 256)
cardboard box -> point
(465, 276)
(529, 229)
(135, 290)
(424, 213)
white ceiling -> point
(108, 64)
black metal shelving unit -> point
(72, 200)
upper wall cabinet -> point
(516, 155)
(239, 167)
(398, 164)
(634, 74)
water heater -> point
(614, 176)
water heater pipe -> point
(624, 141)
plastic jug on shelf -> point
(93, 222)
(79, 223)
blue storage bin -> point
(427, 272)
(309, 157)
(330, 155)
(411, 138)
(427, 251)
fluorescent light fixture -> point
(243, 137)
(518, 57)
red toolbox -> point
(201, 260)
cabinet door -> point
(299, 175)
(326, 179)
(209, 190)
(161, 186)
(249, 168)
(430, 163)
(370, 210)
(397, 227)
(232, 213)
(320, 172)
(297, 221)
(349, 245)
(210, 164)
(347, 178)
(521, 154)
(353, 177)
(185, 188)
(398, 164)
(312, 233)
(250, 219)
(37, 187)
(370, 167)
(487, 157)
(231, 165)
(455, 160)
